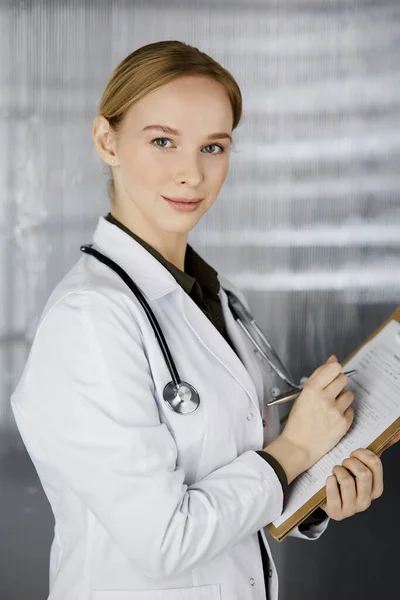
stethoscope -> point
(180, 396)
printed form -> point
(376, 404)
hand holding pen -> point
(320, 417)
(292, 395)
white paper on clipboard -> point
(376, 404)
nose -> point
(189, 171)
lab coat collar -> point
(205, 275)
(155, 281)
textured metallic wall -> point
(307, 223)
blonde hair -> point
(152, 66)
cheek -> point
(144, 167)
(218, 173)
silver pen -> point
(286, 396)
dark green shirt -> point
(200, 281)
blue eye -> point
(221, 149)
(155, 140)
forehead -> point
(188, 104)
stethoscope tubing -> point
(252, 323)
(87, 249)
(179, 395)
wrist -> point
(293, 459)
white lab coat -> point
(148, 504)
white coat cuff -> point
(275, 493)
(313, 532)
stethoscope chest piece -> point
(181, 398)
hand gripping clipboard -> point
(279, 533)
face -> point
(175, 143)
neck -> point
(171, 245)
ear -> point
(104, 140)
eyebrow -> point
(213, 136)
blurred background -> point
(307, 223)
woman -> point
(149, 503)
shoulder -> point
(90, 294)
(88, 328)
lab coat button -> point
(270, 573)
(264, 423)
(249, 416)
(251, 581)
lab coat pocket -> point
(202, 592)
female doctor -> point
(151, 504)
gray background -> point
(307, 223)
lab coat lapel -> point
(245, 350)
(156, 282)
(246, 373)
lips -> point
(184, 200)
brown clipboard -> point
(279, 533)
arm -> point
(291, 461)
(282, 453)
(86, 407)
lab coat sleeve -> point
(310, 532)
(85, 407)
(313, 527)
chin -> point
(182, 229)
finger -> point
(333, 499)
(336, 386)
(324, 374)
(331, 359)
(363, 481)
(344, 400)
(348, 490)
(374, 463)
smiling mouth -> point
(184, 200)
